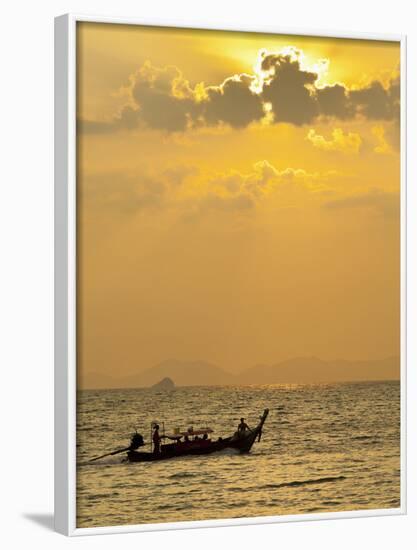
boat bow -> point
(245, 441)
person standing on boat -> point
(156, 438)
(242, 427)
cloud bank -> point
(280, 90)
(232, 191)
(343, 142)
(382, 202)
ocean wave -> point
(305, 482)
(180, 475)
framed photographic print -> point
(229, 275)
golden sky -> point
(238, 197)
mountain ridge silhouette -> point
(297, 370)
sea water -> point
(325, 448)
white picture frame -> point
(65, 280)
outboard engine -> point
(136, 441)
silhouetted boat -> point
(241, 441)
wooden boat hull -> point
(240, 442)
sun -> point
(248, 50)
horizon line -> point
(284, 384)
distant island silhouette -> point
(300, 370)
(164, 384)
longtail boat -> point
(241, 441)
(189, 443)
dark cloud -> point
(165, 100)
(94, 127)
(382, 202)
(376, 102)
(162, 99)
(128, 118)
(334, 101)
(289, 89)
(296, 98)
(233, 103)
